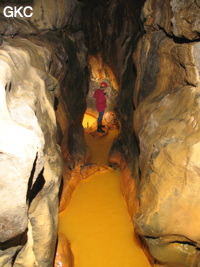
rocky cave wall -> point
(112, 30)
(159, 85)
(30, 156)
(166, 123)
(43, 91)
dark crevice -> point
(56, 103)
(178, 40)
(34, 189)
(8, 87)
(19, 240)
(60, 189)
(172, 242)
(15, 256)
(37, 186)
(31, 178)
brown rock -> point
(64, 256)
(128, 183)
(47, 15)
(177, 17)
(185, 20)
(166, 123)
(88, 169)
(97, 135)
(71, 178)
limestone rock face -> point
(166, 123)
(176, 17)
(186, 19)
(51, 14)
(30, 158)
(47, 15)
(74, 88)
(43, 98)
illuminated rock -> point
(64, 257)
(30, 158)
(166, 123)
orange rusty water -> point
(98, 225)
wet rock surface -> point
(64, 256)
(166, 123)
(34, 69)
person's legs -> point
(99, 121)
(100, 118)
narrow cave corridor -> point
(96, 222)
(54, 55)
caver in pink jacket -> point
(100, 100)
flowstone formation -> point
(166, 123)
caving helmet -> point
(103, 84)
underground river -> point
(96, 221)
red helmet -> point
(103, 84)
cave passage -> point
(99, 149)
(96, 221)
